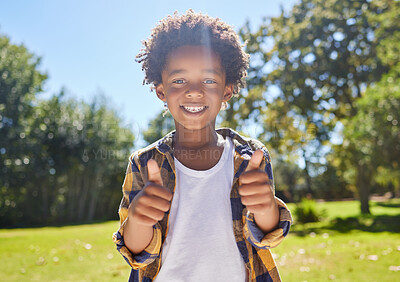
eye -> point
(178, 81)
(209, 81)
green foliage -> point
(289, 181)
(317, 59)
(306, 211)
(309, 66)
(83, 150)
(331, 184)
(20, 81)
(372, 136)
(60, 159)
(375, 130)
(158, 127)
(345, 216)
(388, 33)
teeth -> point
(194, 109)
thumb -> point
(153, 172)
(255, 161)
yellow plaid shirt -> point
(252, 243)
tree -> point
(372, 136)
(158, 127)
(81, 158)
(20, 81)
(61, 160)
(309, 67)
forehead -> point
(193, 57)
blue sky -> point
(89, 46)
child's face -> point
(193, 85)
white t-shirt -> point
(200, 244)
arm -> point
(274, 237)
(146, 209)
(139, 236)
(268, 219)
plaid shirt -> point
(252, 243)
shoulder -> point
(245, 146)
(155, 150)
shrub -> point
(306, 211)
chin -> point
(194, 126)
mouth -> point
(194, 109)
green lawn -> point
(71, 253)
(345, 246)
(351, 248)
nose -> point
(194, 91)
(194, 94)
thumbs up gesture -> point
(150, 204)
(257, 194)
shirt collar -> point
(242, 147)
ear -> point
(228, 92)
(160, 92)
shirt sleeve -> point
(258, 239)
(132, 185)
(252, 233)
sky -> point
(89, 47)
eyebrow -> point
(176, 72)
(213, 71)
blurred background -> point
(323, 94)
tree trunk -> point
(83, 192)
(363, 187)
(45, 202)
(307, 174)
(71, 202)
(94, 195)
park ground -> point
(344, 246)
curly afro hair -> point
(193, 29)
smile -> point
(194, 109)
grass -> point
(70, 253)
(355, 256)
(343, 247)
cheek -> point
(216, 95)
(173, 94)
(212, 92)
(175, 91)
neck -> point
(195, 139)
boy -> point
(199, 205)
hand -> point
(257, 194)
(255, 189)
(150, 204)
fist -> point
(150, 204)
(255, 188)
